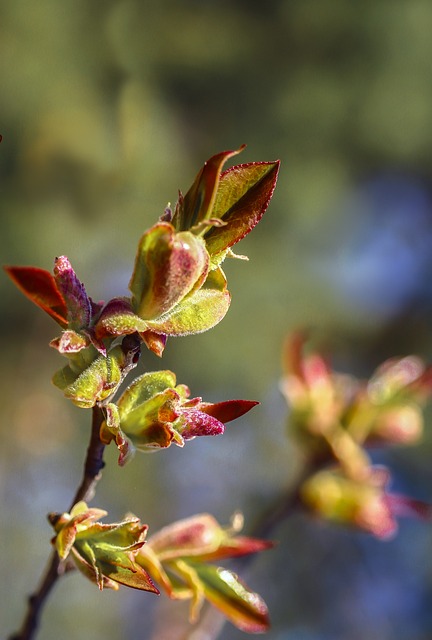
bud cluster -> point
(336, 418)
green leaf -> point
(197, 312)
(244, 608)
(147, 409)
(96, 382)
(105, 553)
(117, 319)
(167, 267)
(111, 430)
(143, 389)
(242, 198)
(40, 287)
(109, 549)
(150, 423)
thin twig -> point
(94, 461)
(55, 568)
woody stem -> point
(55, 568)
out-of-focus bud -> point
(317, 396)
(395, 376)
(335, 497)
(398, 425)
(365, 505)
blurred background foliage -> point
(107, 108)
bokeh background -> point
(107, 108)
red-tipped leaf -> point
(242, 198)
(197, 204)
(41, 288)
(228, 410)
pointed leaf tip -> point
(41, 288)
(229, 409)
(78, 303)
(243, 607)
(243, 196)
(197, 204)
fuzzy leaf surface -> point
(199, 311)
(78, 304)
(167, 267)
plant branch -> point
(56, 568)
(94, 461)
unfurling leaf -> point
(198, 203)
(243, 196)
(154, 412)
(117, 319)
(105, 553)
(224, 207)
(224, 590)
(199, 311)
(77, 302)
(167, 267)
(87, 384)
(201, 536)
(366, 504)
(178, 555)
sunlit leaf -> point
(242, 198)
(167, 267)
(97, 381)
(243, 607)
(193, 422)
(41, 288)
(194, 536)
(117, 318)
(229, 409)
(197, 205)
(105, 553)
(156, 342)
(70, 342)
(197, 312)
(144, 388)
